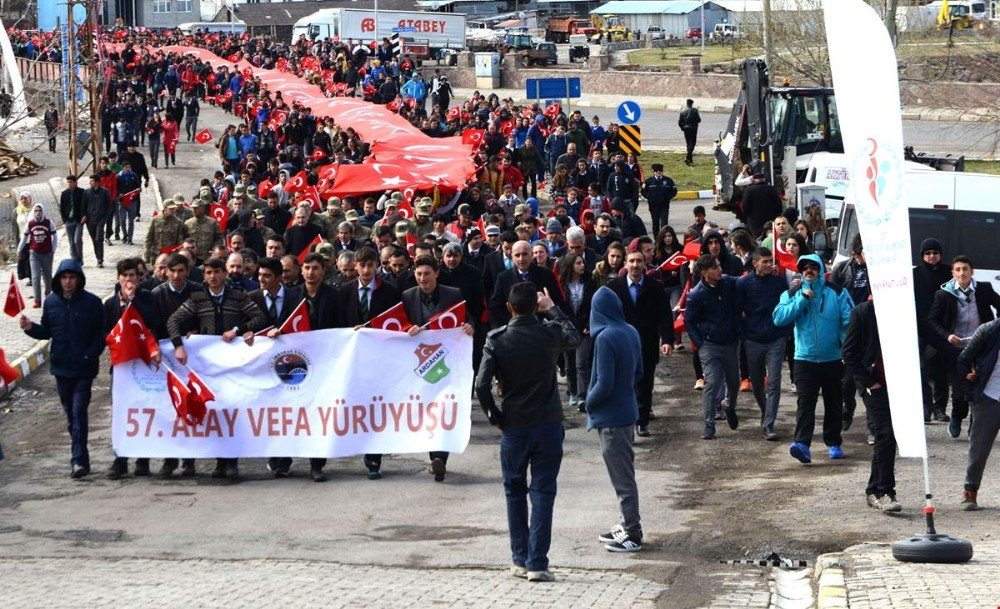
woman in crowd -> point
(578, 290)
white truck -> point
(420, 31)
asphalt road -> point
(974, 140)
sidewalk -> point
(866, 576)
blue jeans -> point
(74, 394)
(539, 447)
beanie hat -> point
(930, 244)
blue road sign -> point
(629, 113)
(555, 88)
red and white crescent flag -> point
(197, 399)
(311, 196)
(473, 137)
(297, 183)
(394, 319)
(553, 110)
(130, 339)
(179, 395)
(221, 215)
(204, 136)
(264, 188)
(674, 262)
(454, 113)
(305, 252)
(453, 317)
(298, 321)
(15, 302)
(130, 197)
(782, 256)
(692, 249)
(405, 209)
(318, 154)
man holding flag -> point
(71, 318)
(425, 303)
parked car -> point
(578, 47)
(543, 53)
(693, 33)
(724, 32)
(655, 32)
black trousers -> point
(690, 137)
(811, 378)
(644, 388)
(882, 480)
(934, 384)
(960, 388)
(96, 230)
(660, 213)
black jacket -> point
(863, 349)
(97, 205)
(447, 297)
(761, 204)
(927, 280)
(542, 278)
(493, 265)
(383, 297)
(71, 205)
(138, 164)
(944, 313)
(324, 307)
(650, 315)
(659, 190)
(522, 356)
(292, 298)
(198, 315)
(165, 301)
(581, 319)
(468, 279)
(981, 352)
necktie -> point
(524, 277)
(634, 289)
(507, 263)
(272, 310)
(217, 300)
(364, 303)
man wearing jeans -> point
(73, 319)
(612, 409)
(522, 357)
(712, 324)
(820, 313)
(977, 363)
(757, 294)
(72, 211)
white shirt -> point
(278, 299)
(371, 289)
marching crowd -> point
(232, 259)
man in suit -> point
(498, 261)
(358, 302)
(275, 300)
(647, 309)
(458, 273)
(524, 270)
(422, 302)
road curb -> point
(35, 357)
(831, 589)
(695, 194)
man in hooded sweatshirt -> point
(820, 312)
(72, 318)
(613, 409)
(928, 276)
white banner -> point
(327, 393)
(863, 63)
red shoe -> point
(745, 385)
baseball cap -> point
(402, 227)
(492, 230)
(351, 215)
(521, 208)
(464, 209)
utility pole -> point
(93, 77)
(71, 78)
(767, 35)
(890, 21)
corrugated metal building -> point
(674, 16)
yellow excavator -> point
(610, 28)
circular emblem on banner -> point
(292, 367)
(877, 181)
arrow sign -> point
(629, 113)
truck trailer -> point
(435, 31)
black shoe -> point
(232, 472)
(117, 470)
(941, 416)
(109, 243)
(769, 434)
(141, 467)
(732, 419)
(167, 469)
(317, 474)
(374, 469)
(848, 421)
(624, 543)
(79, 471)
(219, 471)
(609, 537)
(642, 431)
(720, 416)
(100, 264)
(439, 469)
(187, 468)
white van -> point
(222, 27)
(979, 10)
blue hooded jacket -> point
(617, 367)
(75, 325)
(820, 321)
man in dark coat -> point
(761, 204)
(688, 121)
(928, 276)
(524, 270)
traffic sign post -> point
(630, 139)
(552, 88)
(629, 113)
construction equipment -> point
(610, 28)
(559, 29)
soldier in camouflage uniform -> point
(203, 229)
(166, 230)
(422, 224)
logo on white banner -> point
(292, 367)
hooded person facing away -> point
(612, 409)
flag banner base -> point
(932, 548)
(326, 393)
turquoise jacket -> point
(820, 321)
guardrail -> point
(44, 71)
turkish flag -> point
(198, 398)
(692, 250)
(298, 183)
(553, 110)
(318, 154)
(221, 215)
(394, 319)
(129, 198)
(8, 374)
(453, 317)
(239, 109)
(280, 116)
(394, 105)
(179, 395)
(204, 136)
(473, 137)
(507, 127)
(411, 103)
(782, 256)
(234, 57)
(305, 252)
(311, 196)
(298, 321)
(130, 339)
(454, 113)
(170, 249)
(674, 262)
(411, 240)
(264, 188)
(15, 302)
(482, 227)
(405, 209)
(248, 73)
(281, 64)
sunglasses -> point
(932, 253)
